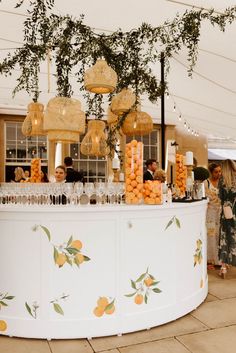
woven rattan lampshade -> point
(33, 123)
(94, 142)
(111, 117)
(123, 101)
(137, 123)
(64, 119)
(100, 78)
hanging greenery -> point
(72, 44)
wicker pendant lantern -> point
(123, 101)
(137, 123)
(94, 142)
(64, 120)
(33, 123)
(111, 117)
(100, 78)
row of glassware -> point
(61, 193)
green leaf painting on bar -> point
(198, 253)
(143, 286)
(175, 220)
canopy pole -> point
(163, 112)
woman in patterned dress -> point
(227, 235)
(213, 214)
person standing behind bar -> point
(151, 165)
(72, 175)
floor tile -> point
(213, 275)
(165, 346)
(70, 346)
(212, 341)
(211, 298)
(23, 345)
(223, 290)
(181, 326)
(217, 313)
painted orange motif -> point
(80, 258)
(110, 311)
(104, 306)
(67, 253)
(61, 259)
(144, 285)
(3, 325)
(148, 281)
(138, 299)
(77, 244)
(197, 257)
(102, 302)
(98, 311)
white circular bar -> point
(157, 251)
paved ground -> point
(209, 329)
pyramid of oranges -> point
(134, 172)
(181, 173)
(35, 170)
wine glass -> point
(110, 191)
(78, 191)
(100, 188)
(89, 190)
(120, 191)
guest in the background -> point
(44, 178)
(151, 165)
(27, 175)
(19, 175)
(227, 235)
(160, 175)
(213, 214)
(72, 175)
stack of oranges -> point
(181, 173)
(134, 172)
(152, 192)
(35, 170)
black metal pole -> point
(163, 154)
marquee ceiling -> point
(206, 102)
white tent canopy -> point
(205, 102)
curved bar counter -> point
(89, 271)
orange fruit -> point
(148, 281)
(3, 325)
(80, 258)
(111, 310)
(98, 311)
(61, 259)
(102, 302)
(138, 299)
(77, 244)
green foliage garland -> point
(72, 44)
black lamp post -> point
(163, 154)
